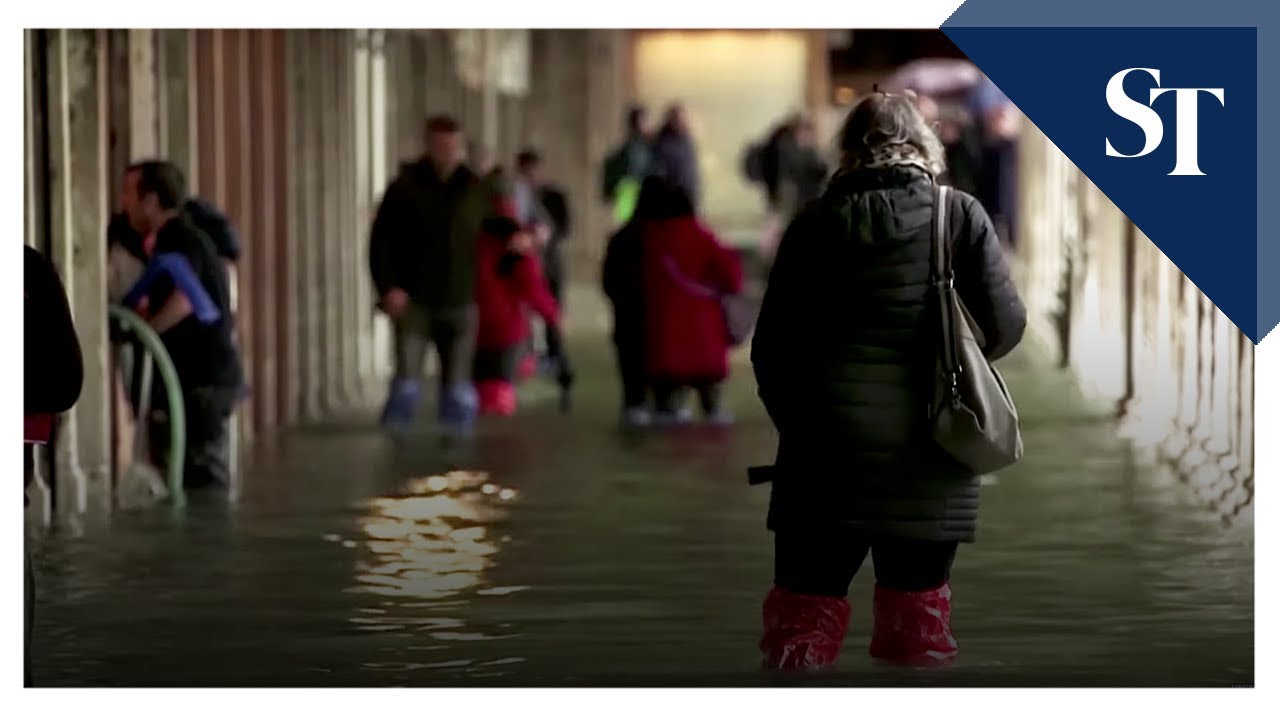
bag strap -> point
(942, 277)
(690, 286)
(940, 256)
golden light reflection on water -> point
(433, 543)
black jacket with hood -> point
(844, 356)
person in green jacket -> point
(626, 167)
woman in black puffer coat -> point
(844, 356)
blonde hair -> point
(885, 130)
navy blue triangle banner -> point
(1158, 102)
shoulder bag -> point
(974, 418)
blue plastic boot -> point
(459, 406)
(402, 404)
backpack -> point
(210, 221)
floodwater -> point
(561, 551)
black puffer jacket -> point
(844, 352)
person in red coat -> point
(509, 281)
(686, 272)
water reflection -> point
(425, 552)
(435, 541)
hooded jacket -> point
(844, 356)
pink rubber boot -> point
(802, 632)
(913, 628)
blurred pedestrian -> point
(622, 277)
(509, 283)
(627, 165)
(554, 205)
(52, 376)
(185, 297)
(803, 173)
(687, 272)
(422, 251)
(1000, 123)
(675, 156)
(128, 254)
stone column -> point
(307, 179)
(1213, 480)
(176, 141)
(380, 119)
(1057, 243)
(144, 116)
(1075, 269)
(1200, 427)
(1188, 390)
(1164, 403)
(348, 143)
(489, 90)
(1022, 262)
(606, 98)
(1137, 420)
(1242, 494)
(1105, 297)
(240, 154)
(328, 286)
(77, 173)
(330, 238)
(1085, 336)
(361, 119)
(818, 80)
(265, 242)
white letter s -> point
(1135, 112)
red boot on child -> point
(497, 397)
(913, 628)
(802, 632)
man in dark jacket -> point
(120, 234)
(202, 213)
(422, 259)
(189, 307)
(52, 376)
(675, 158)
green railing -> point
(154, 347)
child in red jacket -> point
(509, 279)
